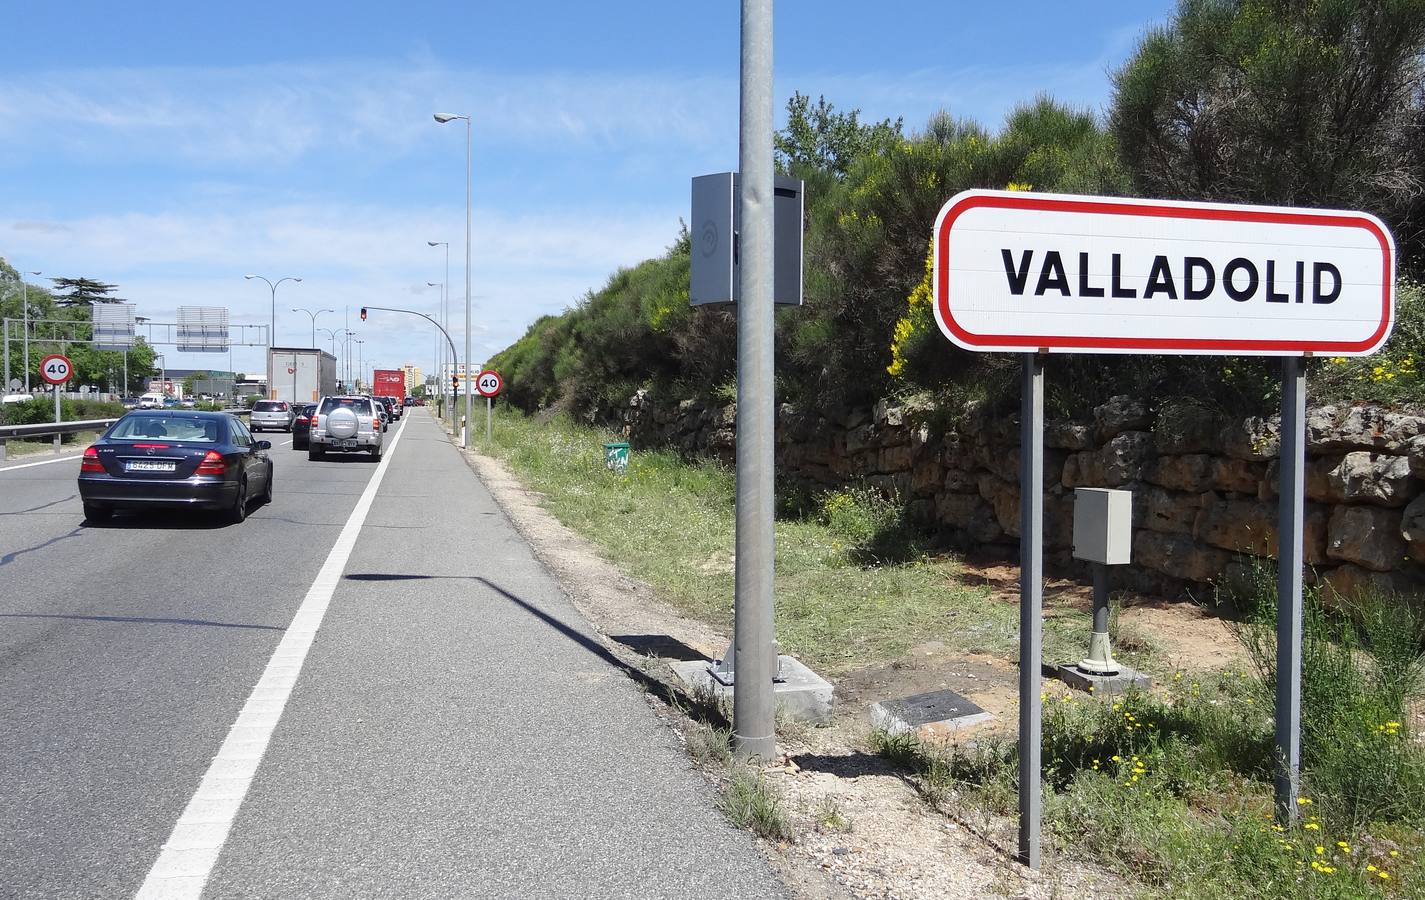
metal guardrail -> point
(54, 429)
(45, 429)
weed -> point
(709, 745)
(750, 802)
(830, 817)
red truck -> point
(389, 383)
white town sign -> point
(1023, 272)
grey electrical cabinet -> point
(1103, 525)
(716, 222)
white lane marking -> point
(192, 849)
(286, 442)
(46, 462)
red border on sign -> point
(1154, 210)
(67, 361)
(499, 387)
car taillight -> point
(301, 420)
(212, 464)
(91, 463)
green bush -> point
(1361, 673)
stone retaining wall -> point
(1204, 487)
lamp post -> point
(440, 350)
(272, 328)
(444, 118)
(162, 373)
(360, 361)
(25, 306)
(314, 321)
(332, 333)
(346, 355)
(444, 318)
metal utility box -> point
(1103, 525)
(717, 214)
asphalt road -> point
(456, 729)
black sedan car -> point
(175, 459)
(302, 425)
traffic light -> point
(363, 314)
(455, 384)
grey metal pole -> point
(25, 337)
(465, 432)
(1291, 515)
(6, 327)
(57, 419)
(753, 710)
(1031, 602)
(489, 417)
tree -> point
(84, 292)
(1293, 102)
(820, 139)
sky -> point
(173, 147)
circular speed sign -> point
(489, 384)
(56, 369)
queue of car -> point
(162, 456)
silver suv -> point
(345, 424)
(271, 415)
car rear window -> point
(360, 405)
(170, 427)
(270, 406)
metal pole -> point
(489, 415)
(25, 306)
(57, 418)
(753, 710)
(1290, 522)
(6, 386)
(445, 323)
(1031, 602)
(469, 169)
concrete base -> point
(1108, 685)
(802, 695)
(935, 715)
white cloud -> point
(525, 265)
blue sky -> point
(173, 147)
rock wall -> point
(1204, 488)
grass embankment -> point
(852, 587)
(1172, 789)
(14, 448)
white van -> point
(151, 401)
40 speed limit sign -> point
(489, 384)
(56, 368)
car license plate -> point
(346, 445)
(150, 465)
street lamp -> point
(360, 361)
(25, 304)
(332, 333)
(440, 348)
(443, 118)
(314, 321)
(272, 328)
(444, 315)
(162, 373)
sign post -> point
(489, 385)
(1037, 273)
(56, 369)
(1031, 601)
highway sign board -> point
(1023, 272)
(56, 368)
(489, 384)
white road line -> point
(192, 849)
(72, 456)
